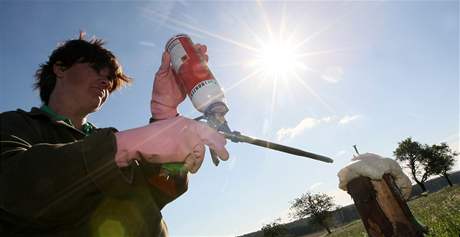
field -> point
(439, 211)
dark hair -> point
(79, 51)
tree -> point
(274, 229)
(318, 206)
(440, 159)
(413, 155)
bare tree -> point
(318, 206)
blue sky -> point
(366, 73)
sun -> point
(277, 59)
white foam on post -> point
(374, 166)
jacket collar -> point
(36, 112)
(46, 112)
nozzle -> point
(236, 136)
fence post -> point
(382, 209)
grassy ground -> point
(439, 211)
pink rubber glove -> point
(167, 141)
(167, 92)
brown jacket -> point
(55, 181)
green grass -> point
(354, 229)
(439, 211)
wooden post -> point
(382, 209)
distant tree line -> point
(274, 229)
(319, 207)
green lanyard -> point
(87, 128)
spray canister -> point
(192, 71)
(202, 88)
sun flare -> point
(277, 59)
